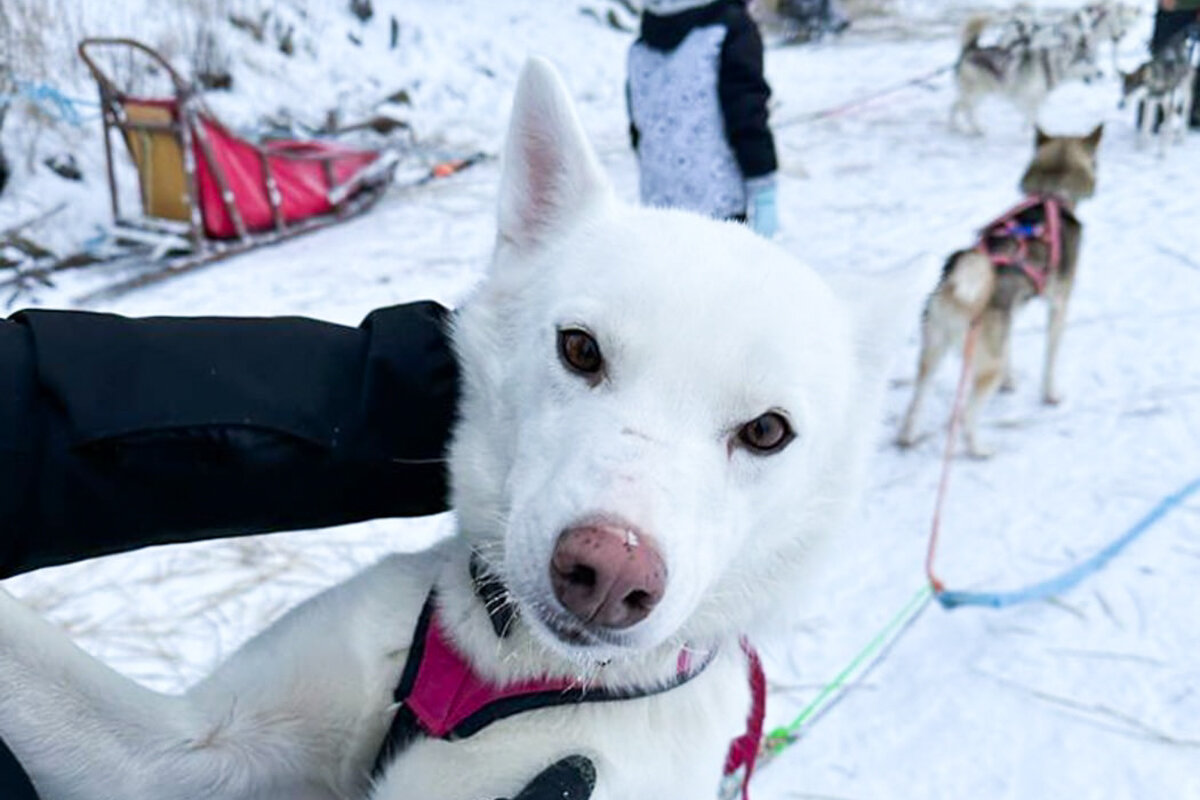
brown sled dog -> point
(1029, 251)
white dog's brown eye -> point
(580, 352)
(766, 434)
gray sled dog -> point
(1162, 88)
(1031, 250)
(1024, 68)
(663, 416)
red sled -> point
(209, 193)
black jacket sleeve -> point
(14, 783)
(118, 433)
(744, 94)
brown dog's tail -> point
(968, 280)
(973, 30)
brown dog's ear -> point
(1092, 140)
(1039, 137)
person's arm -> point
(14, 783)
(744, 93)
(118, 433)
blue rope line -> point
(778, 740)
(50, 100)
(1068, 579)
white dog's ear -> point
(550, 171)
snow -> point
(1093, 694)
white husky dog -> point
(662, 418)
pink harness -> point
(441, 696)
(1011, 227)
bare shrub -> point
(210, 62)
(855, 9)
(7, 85)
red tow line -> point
(743, 752)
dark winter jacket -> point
(673, 69)
(118, 433)
(14, 784)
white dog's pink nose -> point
(607, 575)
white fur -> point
(703, 326)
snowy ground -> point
(1095, 694)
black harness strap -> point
(405, 727)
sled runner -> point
(207, 193)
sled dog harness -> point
(441, 696)
(1021, 225)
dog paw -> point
(976, 450)
(1008, 385)
(905, 439)
(980, 453)
(1051, 398)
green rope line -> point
(785, 735)
(876, 649)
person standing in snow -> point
(698, 112)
